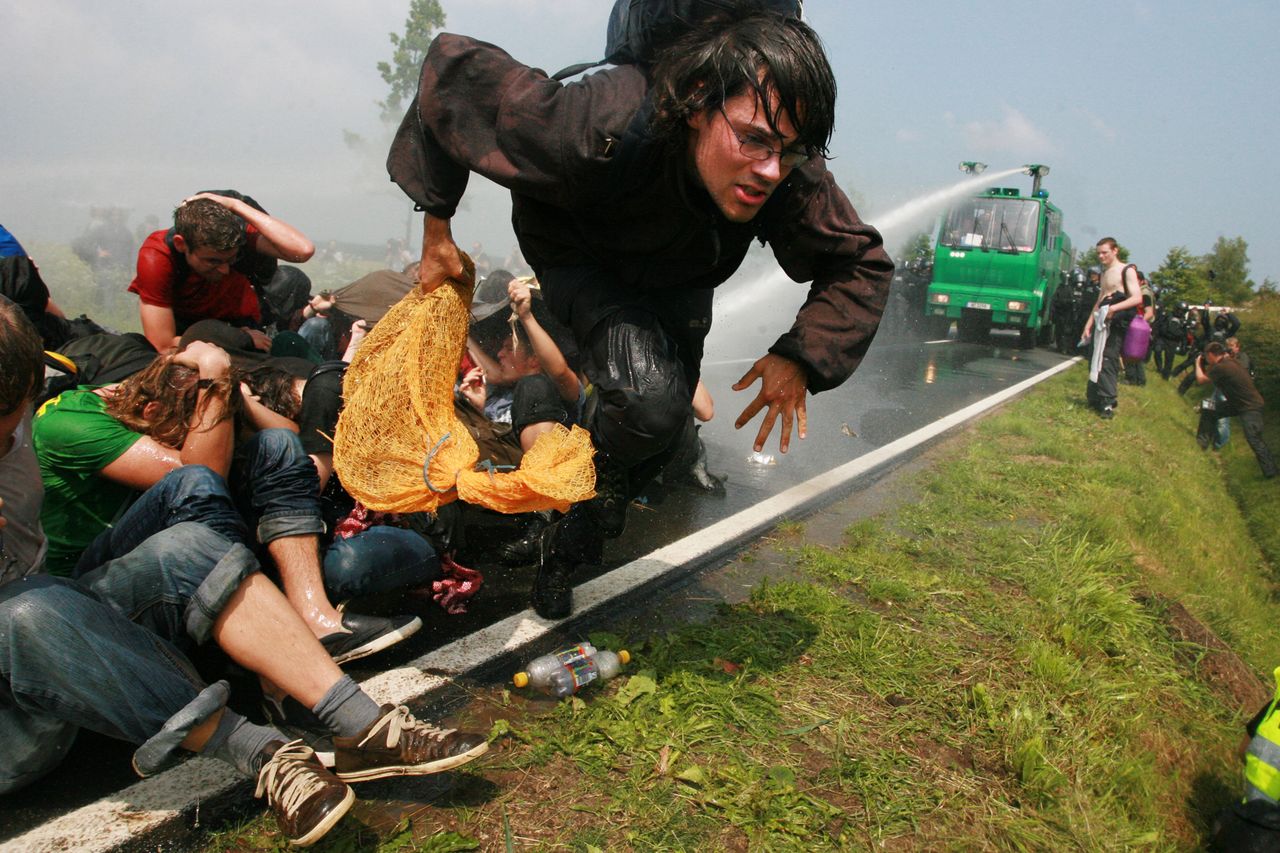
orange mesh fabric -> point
(397, 426)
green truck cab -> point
(998, 260)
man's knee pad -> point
(643, 393)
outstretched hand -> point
(783, 388)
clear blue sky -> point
(1153, 116)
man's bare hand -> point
(783, 388)
(473, 389)
(210, 360)
(441, 258)
(521, 296)
(260, 340)
(225, 201)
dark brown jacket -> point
(591, 187)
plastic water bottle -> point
(569, 670)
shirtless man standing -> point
(1119, 293)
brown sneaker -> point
(307, 799)
(399, 745)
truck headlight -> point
(939, 298)
(1015, 305)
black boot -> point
(526, 549)
(552, 596)
(612, 496)
(572, 541)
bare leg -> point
(297, 558)
(259, 630)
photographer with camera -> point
(1242, 401)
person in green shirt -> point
(169, 432)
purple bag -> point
(1137, 340)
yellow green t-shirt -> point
(74, 439)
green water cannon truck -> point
(998, 260)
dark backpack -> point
(97, 359)
(638, 29)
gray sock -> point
(240, 743)
(346, 709)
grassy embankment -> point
(1013, 659)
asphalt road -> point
(905, 383)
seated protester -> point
(528, 349)
(403, 559)
(286, 294)
(197, 269)
(533, 387)
(99, 448)
(529, 385)
(71, 658)
(329, 317)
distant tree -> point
(1181, 277)
(919, 246)
(402, 72)
(1227, 271)
(1089, 257)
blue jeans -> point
(70, 657)
(379, 560)
(318, 332)
(278, 494)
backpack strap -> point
(574, 70)
(1125, 272)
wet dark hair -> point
(170, 385)
(21, 358)
(1215, 348)
(740, 51)
(274, 387)
(205, 224)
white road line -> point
(150, 804)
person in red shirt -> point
(193, 271)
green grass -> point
(990, 666)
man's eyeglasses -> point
(757, 149)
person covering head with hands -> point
(195, 270)
(635, 191)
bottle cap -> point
(520, 679)
(624, 655)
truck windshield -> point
(1005, 224)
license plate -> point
(985, 306)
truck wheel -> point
(1027, 338)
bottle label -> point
(571, 654)
(583, 670)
